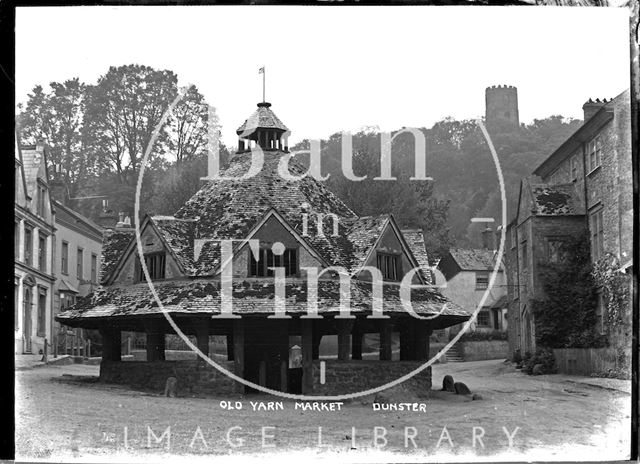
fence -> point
(586, 361)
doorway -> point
(26, 323)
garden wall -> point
(587, 361)
(482, 350)
(343, 377)
(193, 376)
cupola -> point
(264, 129)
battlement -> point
(502, 105)
(503, 87)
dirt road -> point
(63, 413)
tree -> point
(57, 119)
(187, 128)
(123, 110)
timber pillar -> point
(155, 342)
(356, 341)
(385, 340)
(111, 344)
(202, 337)
(344, 342)
(238, 352)
(307, 355)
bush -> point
(542, 356)
(477, 336)
(516, 357)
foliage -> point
(477, 336)
(542, 356)
(615, 285)
(566, 316)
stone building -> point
(34, 227)
(583, 186)
(295, 228)
(466, 274)
(77, 265)
(501, 106)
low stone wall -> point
(193, 377)
(482, 350)
(343, 377)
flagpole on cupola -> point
(261, 71)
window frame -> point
(481, 276)
(594, 147)
(94, 268)
(485, 311)
(573, 167)
(561, 258)
(389, 265)
(152, 266)
(266, 258)
(28, 245)
(42, 252)
(524, 258)
(64, 257)
(80, 263)
(41, 322)
(596, 232)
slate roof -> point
(230, 209)
(415, 240)
(502, 302)
(114, 243)
(473, 259)
(555, 200)
(262, 118)
(203, 296)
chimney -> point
(488, 239)
(107, 219)
(592, 107)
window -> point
(16, 296)
(482, 280)
(514, 238)
(94, 268)
(574, 167)
(594, 149)
(16, 238)
(42, 312)
(28, 245)
(266, 259)
(389, 265)
(556, 250)
(64, 258)
(483, 318)
(80, 264)
(596, 232)
(67, 300)
(523, 252)
(40, 200)
(155, 263)
(42, 253)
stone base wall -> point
(482, 350)
(193, 377)
(342, 377)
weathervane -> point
(261, 71)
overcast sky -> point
(331, 68)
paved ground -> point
(63, 414)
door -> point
(26, 323)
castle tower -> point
(501, 106)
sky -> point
(333, 68)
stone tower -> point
(501, 106)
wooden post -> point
(407, 341)
(45, 358)
(230, 356)
(202, 337)
(129, 345)
(238, 352)
(356, 341)
(262, 374)
(307, 355)
(155, 343)
(344, 345)
(422, 332)
(284, 380)
(385, 340)
(88, 348)
(317, 339)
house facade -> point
(585, 186)
(466, 274)
(337, 274)
(34, 228)
(77, 262)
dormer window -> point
(156, 264)
(389, 265)
(266, 259)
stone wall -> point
(192, 376)
(484, 349)
(342, 377)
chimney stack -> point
(488, 239)
(592, 107)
